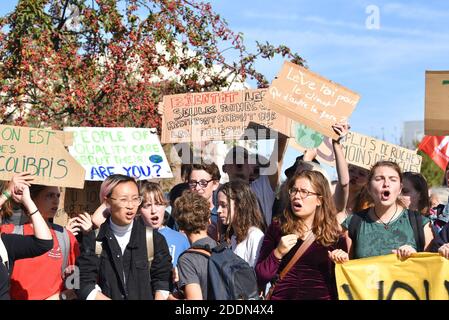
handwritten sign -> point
(209, 116)
(135, 152)
(365, 151)
(86, 200)
(40, 152)
(423, 276)
(310, 99)
(325, 152)
(437, 103)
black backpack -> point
(229, 276)
(415, 220)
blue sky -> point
(385, 66)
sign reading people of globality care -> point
(214, 116)
(40, 152)
(310, 99)
(135, 152)
(423, 276)
(365, 151)
(436, 121)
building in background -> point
(413, 131)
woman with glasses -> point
(203, 178)
(245, 225)
(43, 277)
(122, 270)
(311, 210)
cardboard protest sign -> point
(365, 151)
(310, 99)
(209, 116)
(86, 200)
(423, 276)
(325, 152)
(40, 152)
(302, 138)
(135, 152)
(437, 103)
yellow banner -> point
(423, 276)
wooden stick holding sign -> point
(40, 152)
(310, 99)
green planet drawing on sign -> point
(306, 137)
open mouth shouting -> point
(130, 215)
(296, 206)
(154, 220)
(385, 195)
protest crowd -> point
(248, 236)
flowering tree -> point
(108, 62)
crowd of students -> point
(136, 244)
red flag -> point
(437, 148)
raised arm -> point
(41, 230)
(341, 195)
(277, 156)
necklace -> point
(386, 225)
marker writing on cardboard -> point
(445, 82)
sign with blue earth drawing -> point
(135, 152)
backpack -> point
(63, 240)
(229, 276)
(413, 216)
(150, 245)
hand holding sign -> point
(18, 181)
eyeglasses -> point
(123, 203)
(302, 193)
(203, 183)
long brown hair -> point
(246, 209)
(325, 225)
